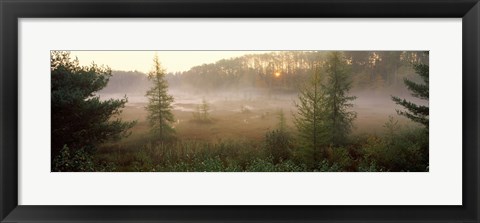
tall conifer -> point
(160, 102)
(416, 113)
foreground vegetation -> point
(399, 149)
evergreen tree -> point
(309, 117)
(278, 141)
(204, 109)
(202, 113)
(416, 113)
(80, 120)
(282, 122)
(323, 117)
(160, 102)
(338, 118)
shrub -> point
(262, 165)
(371, 167)
(290, 166)
(143, 162)
(73, 161)
(202, 113)
(325, 166)
(341, 157)
(407, 151)
(211, 164)
(81, 160)
(278, 145)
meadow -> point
(234, 137)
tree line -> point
(282, 71)
(286, 70)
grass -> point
(236, 141)
(408, 151)
(183, 156)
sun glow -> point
(277, 74)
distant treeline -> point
(127, 82)
(282, 71)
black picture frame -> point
(11, 11)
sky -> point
(142, 61)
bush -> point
(211, 164)
(278, 145)
(80, 160)
(72, 161)
(407, 151)
(341, 157)
(290, 166)
(143, 162)
(371, 167)
(202, 114)
(325, 166)
(262, 165)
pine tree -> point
(80, 120)
(159, 107)
(338, 117)
(416, 113)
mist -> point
(248, 107)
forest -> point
(275, 111)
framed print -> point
(239, 111)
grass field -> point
(233, 139)
(251, 119)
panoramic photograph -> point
(239, 111)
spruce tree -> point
(159, 106)
(338, 116)
(414, 112)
